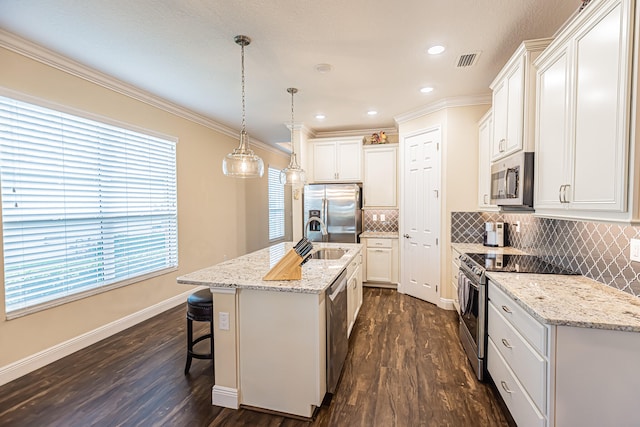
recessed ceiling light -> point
(323, 68)
(435, 50)
(426, 89)
(320, 116)
(372, 112)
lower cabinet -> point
(381, 260)
(354, 291)
(552, 375)
(455, 270)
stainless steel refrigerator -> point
(339, 208)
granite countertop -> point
(571, 300)
(246, 272)
(379, 235)
(478, 248)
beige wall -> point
(217, 216)
(459, 170)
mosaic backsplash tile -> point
(596, 250)
(390, 223)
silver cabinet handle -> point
(506, 309)
(485, 199)
(505, 387)
(560, 193)
(501, 145)
(564, 194)
(506, 343)
(436, 193)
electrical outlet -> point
(635, 250)
(223, 321)
(517, 224)
(375, 217)
(382, 217)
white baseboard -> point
(38, 360)
(446, 304)
(225, 396)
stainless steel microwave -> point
(512, 181)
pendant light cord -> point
(242, 68)
(293, 145)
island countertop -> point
(246, 272)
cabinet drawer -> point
(378, 243)
(522, 409)
(525, 362)
(532, 330)
(353, 265)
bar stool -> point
(200, 309)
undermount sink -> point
(329, 253)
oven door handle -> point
(472, 280)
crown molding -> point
(356, 132)
(48, 57)
(459, 101)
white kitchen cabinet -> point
(514, 102)
(337, 160)
(380, 176)
(354, 291)
(485, 127)
(381, 261)
(582, 129)
(552, 375)
(455, 270)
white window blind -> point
(276, 205)
(85, 205)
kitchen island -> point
(270, 336)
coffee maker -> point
(495, 234)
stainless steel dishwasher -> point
(337, 341)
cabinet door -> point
(349, 161)
(352, 302)
(515, 109)
(380, 177)
(324, 161)
(379, 264)
(484, 162)
(500, 101)
(552, 127)
(602, 64)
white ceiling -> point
(183, 51)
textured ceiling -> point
(183, 51)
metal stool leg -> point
(189, 345)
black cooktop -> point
(517, 264)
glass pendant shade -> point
(293, 174)
(242, 162)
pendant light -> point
(293, 174)
(242, 162)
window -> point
(276, 205)
(86, 206)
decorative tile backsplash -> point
(596, 250)
(390, 223)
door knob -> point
(406, 236)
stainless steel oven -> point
(472, 295)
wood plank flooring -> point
(405, 367)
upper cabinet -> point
(514, 102)
(485, 127)
(380, 176)
(583, 119)
(337, 159)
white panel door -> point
(421, 217)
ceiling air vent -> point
(468, 60)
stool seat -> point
(199, 309)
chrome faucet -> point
(323, 227)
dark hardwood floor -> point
(405, 367)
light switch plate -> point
(223, 321)
(382, 218)
(375, 217)
(635, 250)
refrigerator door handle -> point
(325, 217)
